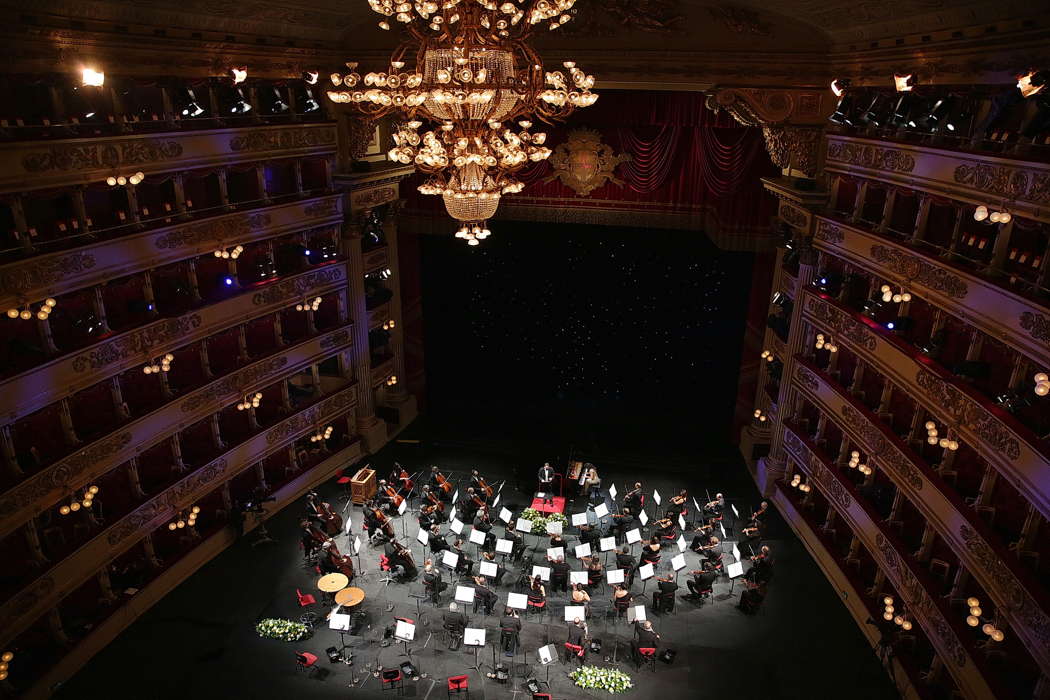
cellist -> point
(440, 484)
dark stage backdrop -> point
(562, 327)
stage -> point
(211, 649)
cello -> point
(485, 488)
(440, 480)
(392, 494)
(400, 475)
(433, 499)
(383, 522)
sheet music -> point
(505, 515)
(452, 513)
(720, 527)
(403, 507)
(554, 528)
(681, 521)
(338, 622)
(735, 569)
(357, 545)
(646, 571)
(601, 510)
(477, 537)
(495, 501)
(634, 535)
(422, 537)
(449, 558)
(556, 552)
(614, 576)
(455, 496)
(405, 631)
(583, 550)
(524, 525)
(607, 543)
(736, 552)
(579, 519)
(488, 568)
(544, 572)
(464, 594)
(517, 601)
(698, 508)
(678, 562)
(456, 526)
(546, 654)
(656, 496)
(643, 518)
(612, 491)
(504, 546)
(474, 637)
(682, 546)
(578, 577)
(636, 613)
(736, 513)
(574, 611)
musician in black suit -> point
(645, 637)
(703, 580)
(545, 477)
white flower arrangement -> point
(285, 630)
(540, 519)
(595, 678)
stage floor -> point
(200, 642)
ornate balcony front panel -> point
(379, 315)
(36, 388)
(37, 493)
(375, 260)
(66, 271)
(381, 371)
(970, 177)
(1015, 594)
(67, 575)
(1000, 441)
(943, 631)
(997, 312)
(40, 164)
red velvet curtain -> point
(683, 156)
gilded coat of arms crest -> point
(584, 163)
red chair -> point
(458, 684)
(304, 600)
(392, 678)
(648, 657)
(304, 661)
(541, 696)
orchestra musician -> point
(483, 523)
(335, 562)
(625, 561)
(666, 528)
(760, 514)
(714, 508)
(762, 566)
(389, 496)
(663, 597)
(480, 487)
(591, 482)
(511, 533)
(712, 551)
(559, 574)
(751, 533)
(427, 516)
(510, 628)
(576, 644)
(633, 499)
(703, 536)
(400, 560)
(537, 594)
(324, 513)
(490, 557)
(432, 582)
(594, 569)
(400, 476)
(621, 523)
(464, 565)
(644, 638)
(428, 495)
(484, 595)
(678, 501)
(589, 535)
(545, 477)
(377, 522)
(440, 484)
(312, 537)
(436, 541)
(703, 580)
(469, 505)
(650, 552)
(621, 598)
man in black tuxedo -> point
(546, 482)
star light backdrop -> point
(587, 323)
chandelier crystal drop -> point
(466, 66)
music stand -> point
(682, 546)
(734, 571)
(474, 637)
(582, 550)
(579, 577)
(504, 547)
(646, 572)
(456, 525)
(449, 560)
(340, 623)
(404, 521)
(612, 494)
(643, 518)
(634, 536)
(477, 538)
(547, 654)
(601, 510)
(677, 563)
(579, 519)
(495, 501)
(607, 544)
(554, 527)
(357, 551)
(553, 553)
(544, 572)
(505, 515)
(656, 496)
(405, 632)
(517, 601)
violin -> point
(442, 482)
(333, 522)
(663, 523)
(485, 487)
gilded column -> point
(118, 397)
(133, 478)
(65, 417)
(216, 432)
(176, 453)
(191, 279)
(147, 294)
(921, 218)
(100, 310)
(10, 455)
(32, 538)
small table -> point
(350, 597)
(330, 583)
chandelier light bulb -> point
(92, 77)
(64, 510)
(172, 526)
(980, 213)
(987, 628)
(972, 602)
(884, 288)
(898, 620)
(972, 621)
(1005, 217)
(930, 425)
(1042, 388)
(906, 296)
(995, 217)
(887, 616)
(975, 611)
(122, 180)
(111, 181)
(997, 635)
(25, 315)
(1041, 377)
(906, 625)
(74, 506)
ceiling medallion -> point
(466, 66)
(584, 163)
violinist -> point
(580, 596)
(625, 561)
(484, 523)
(490, 557)
(644, 638)
(576, 644)
(762, 566)
(440, 484)
(703, 536)
(703, 580)
(633, 499)
(464, 565)
(621, 598)
(589, 535)
(621, 523)
(666, 528)
(594, 569)
(714, 508)
(436, 541)
(760, 514)
(537, 594)
(512, 534)
(712, 551)
(752, 533)
(485, 596)
(679, 501)
(650, 552)
(663, 597)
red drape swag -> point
(683, 155)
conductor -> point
(546, 483)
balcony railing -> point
(1020, 598)
(69, 162)
(970, 177)
(40, 491)
(944, 630)
(1019, 322)
(66, 271)
(36, 388)
(998, 438)
(71, 572)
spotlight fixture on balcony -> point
(185, 519)
(1042, 382)
(888, 295)
(239, 74)
(310, 77)
(5, 661)
(391, 380)
(844, 108)
(228, 253)
(321, 434)
(309, 304)
(75, 503)
(250, 401)
(26, 313)
(825, 343)
(159, 364)
(389, 325)
(92, 77)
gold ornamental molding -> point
(46, 592)
(998, 312)
(1021, 600)
(381, 371)
(379, 315)
(377, 259)
(931, 613)
(34, 165)
(59, 273)
(968, 177)
(584, 163)
(40, 491)
(1019, 460)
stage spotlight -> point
(877, 112)
(187, 103)
(310, 76)
(938, 114)
(844, 107)
(306, 101)
(239, 105)
(277, 104)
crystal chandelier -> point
(474, 76)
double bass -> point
(342, 562)
(402, 477)
(333, 522)
(382, 521)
